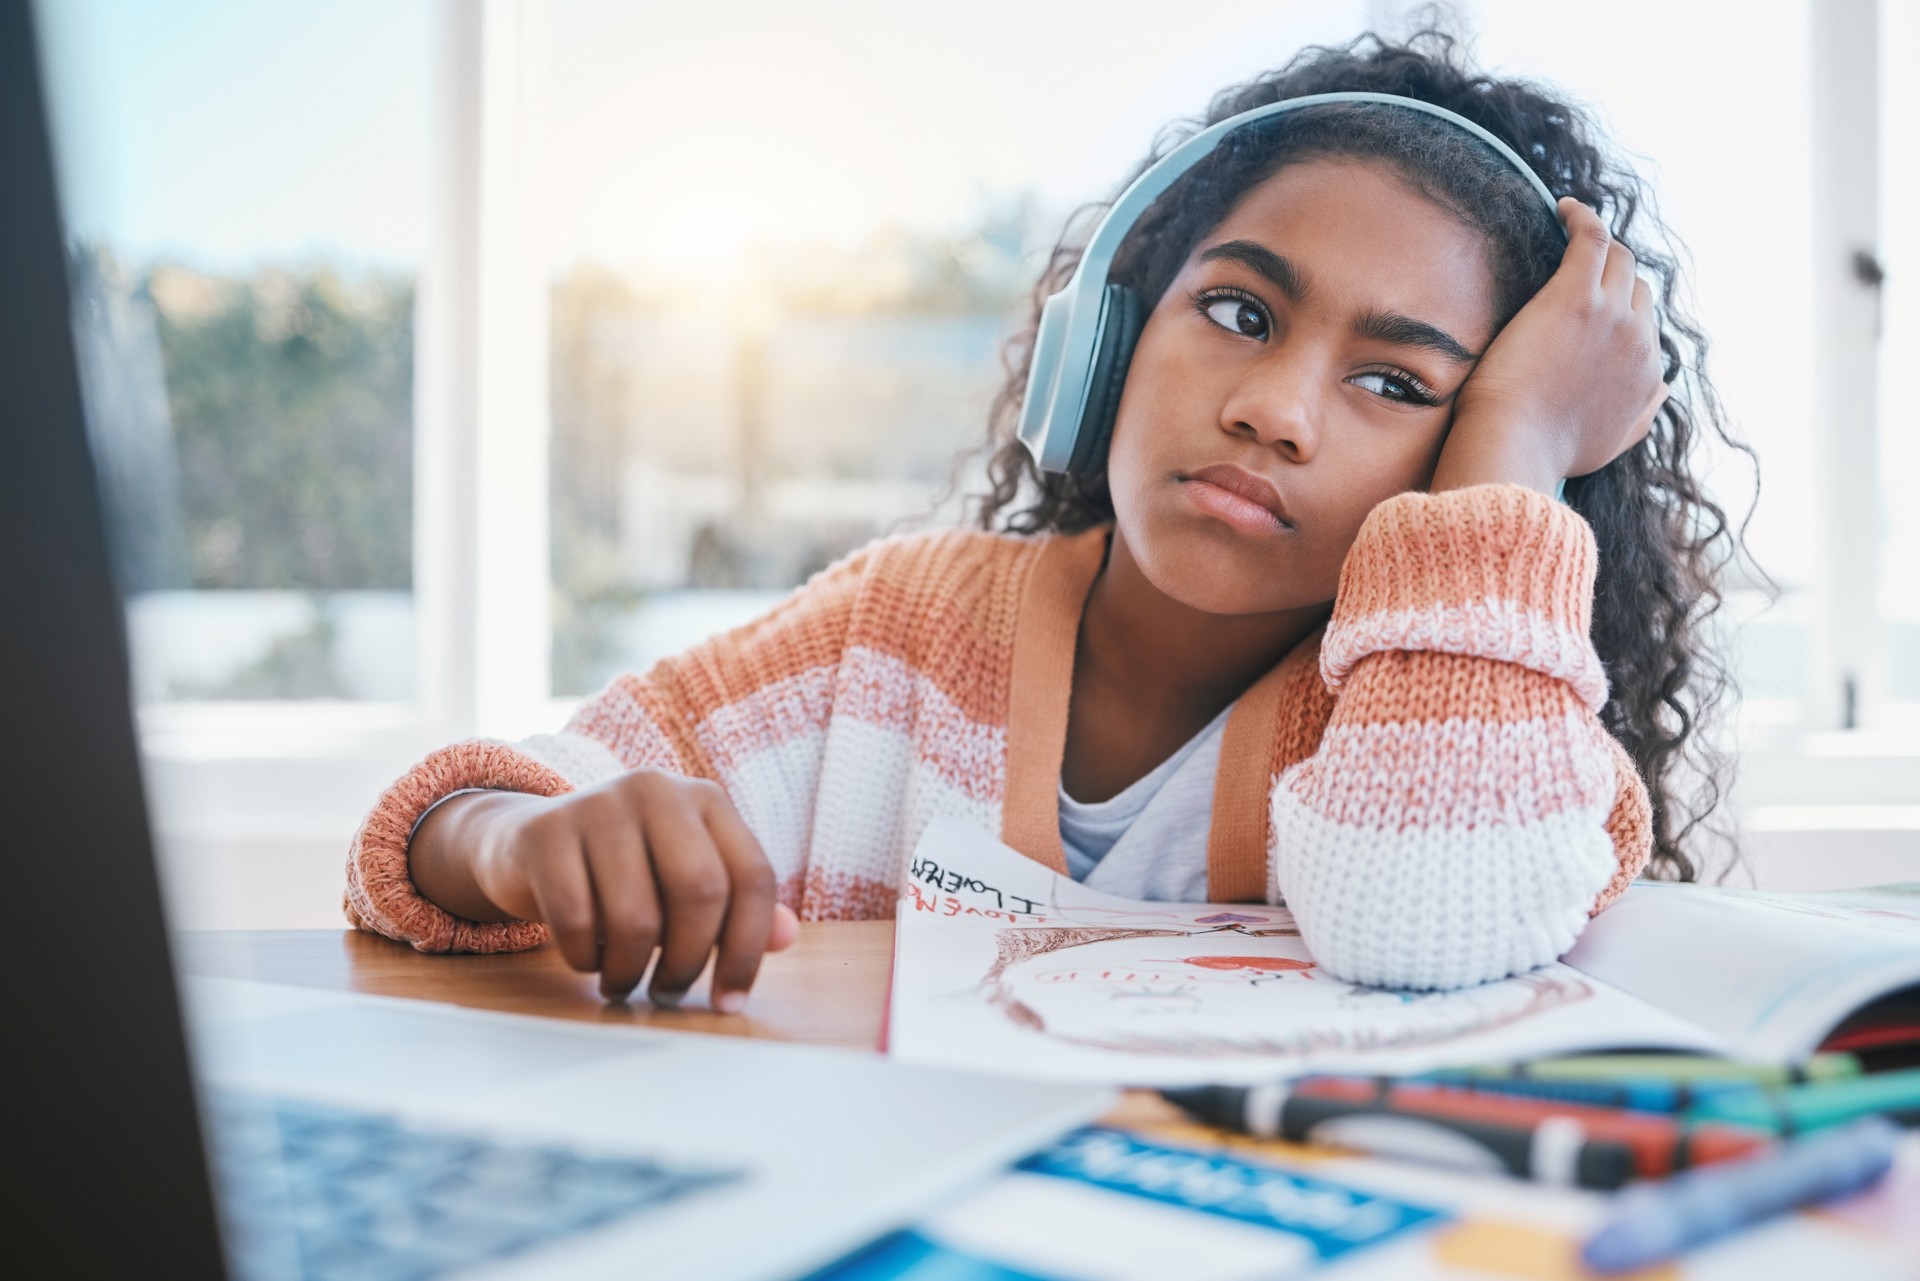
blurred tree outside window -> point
(290, 395)
(704, 465)
(246, 197)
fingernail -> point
(730, 1002)
(668, 1000)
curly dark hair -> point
(1663, 541)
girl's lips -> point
(1237, 497)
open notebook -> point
(1002, 965)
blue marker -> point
(1656, 1221)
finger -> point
(1649, 321)
(629, 906)
(1642, 297)
(693, 898)
(564, 894)
(1617, 278)
(1587, 243)
(1644, 424)
(785, 931)
(749, 921)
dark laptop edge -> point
(104, 1146)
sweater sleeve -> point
(1466, 811)
(685, 715)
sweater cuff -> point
(1490, 571)
(380, 892)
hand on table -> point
(643, 861)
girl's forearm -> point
(441, 856)
(1454, 824)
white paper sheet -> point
(1001, 965)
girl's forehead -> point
(1352, 228)
(1314, 186)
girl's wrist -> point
(444, 856)
(1488, 457)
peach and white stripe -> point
(581, 760)
(1462, 772)
(1485, 628)
(616, 719)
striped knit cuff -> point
(1491, 571)
(1630, 824)
(380, 892)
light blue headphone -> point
(1088, 330)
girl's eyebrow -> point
(1286, 277)
(1405, 331)
(1381, 326)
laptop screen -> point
(103, 1136)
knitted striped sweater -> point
(1424, 781)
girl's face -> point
(1300, 369)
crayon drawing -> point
(1003, 965)
(1204, 992)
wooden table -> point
(829, 988)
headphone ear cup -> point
(1121, 320)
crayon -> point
(1557, 1151)
(1820, 1104)
(1656, 1221)
(1638, 1094)
(1660, 1144)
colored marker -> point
(1656, 1221)
(1688, 1068)
(1819, 1105)
(1557, 1151)
(1638, 1094)
(1660, 1144)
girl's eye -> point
(1398, 387)
(1234, 314)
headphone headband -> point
(1068, 344)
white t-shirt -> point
(1150, 841)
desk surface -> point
(829, 988)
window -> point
(1712, 179)
(246, 199)
(450, 358)
(774, 327)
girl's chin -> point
(1207, 566)
(1233, 581)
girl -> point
(1316, 629)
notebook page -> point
(1770, 973)
(1001, 965)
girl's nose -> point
(1273, 404)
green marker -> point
(1819, 1104)
(1701, 1069)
